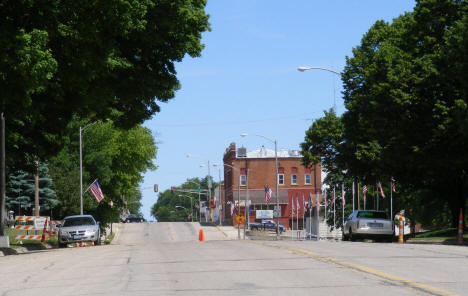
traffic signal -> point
(155, 187)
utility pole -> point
(36, 189)
(2, 181)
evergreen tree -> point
(20, 192)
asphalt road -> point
(168, 259)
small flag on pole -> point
(267, 194)
(364, 190)
(393, 185)
(379, 186)
(96, 191)
(343, 193)
(310, 200)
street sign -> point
(240, 219)
(155, 187)
(276, 213)
(263, 214)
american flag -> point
(303, 204)
(310, 200)
(96, 191)
(364, 190)
(343, 193)
(393, 185)
(297, 203)
(267, 194)
(379, 186)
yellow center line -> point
(402, 282)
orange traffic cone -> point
(201, 235)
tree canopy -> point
(407, 106)
(94, 59)
(117, 158)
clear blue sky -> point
(246, 80)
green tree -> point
(117, 158)
(406, 116)
(165, 210)
(21, 191)
(96, 59)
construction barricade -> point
(39, 223)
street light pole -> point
(209, 177)
(302, 69)
(81, 164)
(277, 185)
(238, 195)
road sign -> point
(240, 219)
(155, 187)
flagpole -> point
(89, 186)
(292, 217)
(342, 203)
(365, 199)
(310, 215)
(358, 201)
(297, 214)
(391, 199)
(377, 197)
(353, 196)
(325, 203)
(334, 209)
(303, 212)
(318, 214)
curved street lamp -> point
(276, 168)
(302, 69)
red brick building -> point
(295, 181)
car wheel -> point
(98, 240)
(351, 237)
(343, 236)
(127, 221)
(62, 245)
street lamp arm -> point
(261, 136)
(302, 69)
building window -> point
(243, 180)
(280, 179)
(294, 179)
(307, 179)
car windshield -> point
(372, 215)
(78, 221)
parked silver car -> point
(78, 228)
(368, 224)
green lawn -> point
(14, 244)
(443, 235)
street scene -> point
(206, 147)
(168, 259)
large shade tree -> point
(406, 104)
(96, 59)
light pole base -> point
(4, 241)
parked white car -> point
(368, 224)
(78, 228)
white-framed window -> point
(307, 178)
(280, 179)
(243, 180)
(293, 179)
